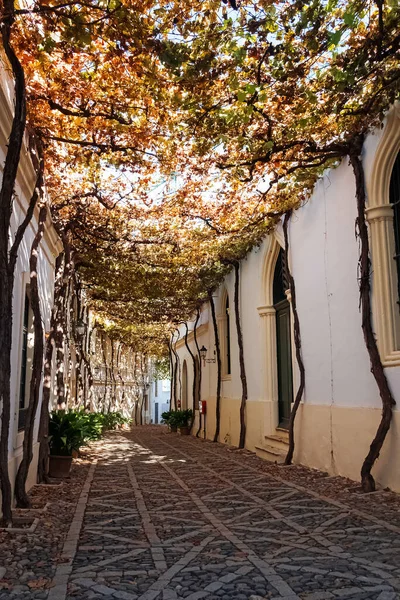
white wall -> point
(48, 250)
(159, 394)
(324, 255)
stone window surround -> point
(379, 215)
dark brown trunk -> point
(43, 436)
(60, 371)
(194, 371)
(176, 368)
(243, 378)
(367, 480)
(65, 338)
(89, 399)
(142, 371)
(297, 342)
(5, 374)
(48, 360)
(113, 379)
(62, 323)
(37, 365)
(103, 349)
(179, 372)
(171, 362)
(199, 367)
(7, 262)
(218, 353)
(141, 410)
(119, 351)
(176, 371)
(86, 366)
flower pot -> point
(184, 430)
(173, 428)
(59, 466)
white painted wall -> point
(48, 250)
(159, 394)
(323, 257)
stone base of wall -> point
(337, 439)
(13, 465)
(333, 439)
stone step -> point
(271, 453)
(277, 441)
(283, 433)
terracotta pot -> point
(59, 466)
(173, 428)
(184, 430)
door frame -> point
(267, 314)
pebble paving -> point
(168, 517)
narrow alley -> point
(169, 517)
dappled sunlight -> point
(122, 450)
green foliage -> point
(69, 431)
(161, 370)
(182, 418)
(65, 433)
(166, 416)
(177, 418)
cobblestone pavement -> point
(168, 517)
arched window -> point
(280, 284)
(227, 334)
(394, 195)
(184, 386)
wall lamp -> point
(203, 354)
(80, 327)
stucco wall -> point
(341, 407)
(48, 250)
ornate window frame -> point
(379, 215)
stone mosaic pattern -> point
(170, 517)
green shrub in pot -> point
(66, 436)
(182, 419)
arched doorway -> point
(184, 386)
(283, 342)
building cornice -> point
(199, 331)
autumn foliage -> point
(176, 134)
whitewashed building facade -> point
(49, 248)
(341, 407)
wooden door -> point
(284, 362)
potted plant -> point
(66, 436)
(183, 419)
(168, 417)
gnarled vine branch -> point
(377, 370)
(297, 342)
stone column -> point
(385, 293)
